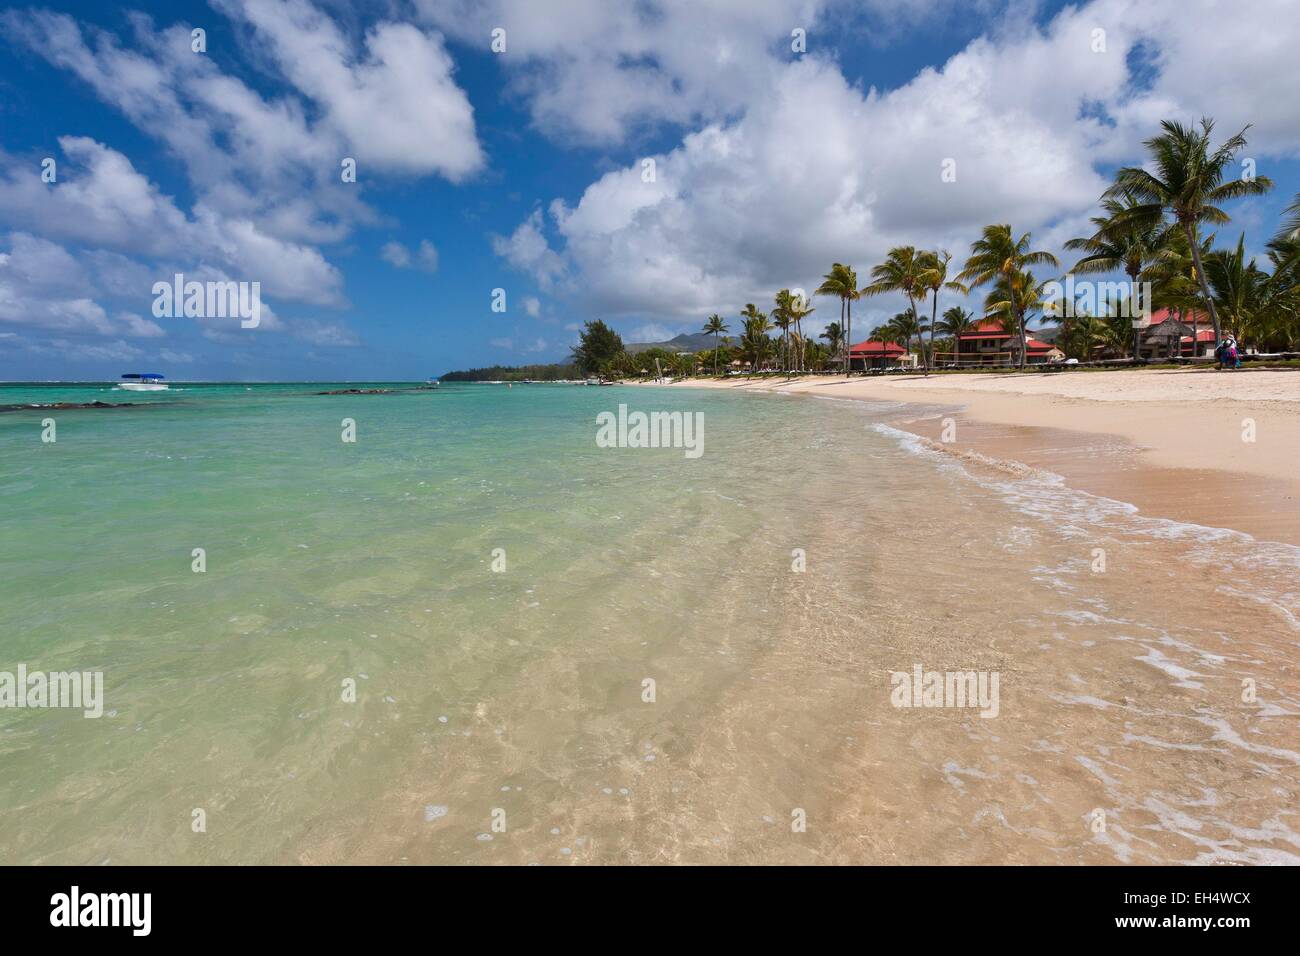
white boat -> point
(143, 382)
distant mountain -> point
(685, 342)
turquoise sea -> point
(500, 590)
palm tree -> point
(1284, 285)
(789, 312)
(1022, 289)
(904, 270)
(795, 307)
(1000, 258)
(1122, 242)
(715, 326)
(955, 323)
(1189, 182)
(842, 282)
(1291, 227)
(782, 320)
(1085, 334)
(901, 329)
(1174, 283)
(1278, 314)
(1239, 287)
(834, 336)
(755, 343)
(934, 280)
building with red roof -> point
(1158, 336)
(874, 353)
(990, 344)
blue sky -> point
(523, 170)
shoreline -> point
(1174, 444)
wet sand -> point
(1168, 442)
(1124, 731)
(1123, 734)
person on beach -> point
(1227, 354)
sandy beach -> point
(1216, 449)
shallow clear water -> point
(517, 697)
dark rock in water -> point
(380, 391)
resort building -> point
(1170, 333)
(990, 344)
(874, 354)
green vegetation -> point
(1149, 230)
(519, 373)
(597, 345)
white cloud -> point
(42, 286)
(46, 287)
(520, 346)
(118, 351)
(101, 200)
(527, 249)
(398, 256)
(139, 327)
(427, 256)
(329, 334)
(533, 306)
(650, 332)
(264, 167)
(600, 72)
(396, 107)
(392, 106)
(816, 170)
(597, 70)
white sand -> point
(1188, 431)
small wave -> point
(1073, 513)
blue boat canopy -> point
(144, 375)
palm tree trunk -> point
(844, 355)
(844, 332)
(848, 336)
(1200, 280)
(911, 304)
(1024, 342)
(934, 319)
(1020, 321)
(1137, 332)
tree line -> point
(1153, 228)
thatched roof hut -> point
(1170, 330)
